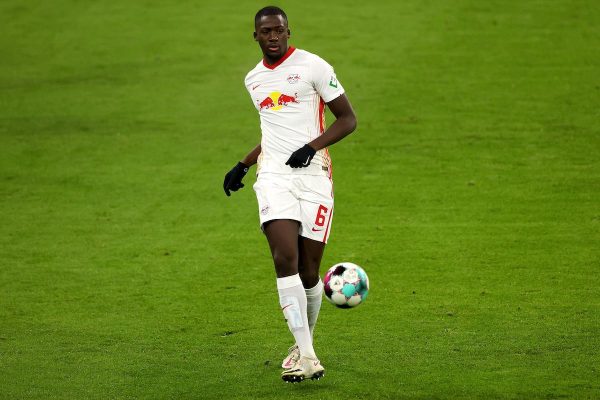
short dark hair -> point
(269, 10)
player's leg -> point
(280, 212)
(317, 213)
(282, 235)
(310, 255)
(283, 240)
(316, 204)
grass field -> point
(470, 193)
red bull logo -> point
(276, 101)
(266, 103)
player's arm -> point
(345, 123)
(233, 179)
(252, 157)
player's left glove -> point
(302, 157)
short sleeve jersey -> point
(290, 98)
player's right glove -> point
(233, 179)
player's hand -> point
(302, 157)
(233, 179)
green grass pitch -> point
(470, 193)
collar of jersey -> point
(288, 53)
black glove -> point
(233, 179)
(301, 158)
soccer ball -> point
(346, 285)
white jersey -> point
(290, 97)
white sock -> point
(292, 299)
(314, 297)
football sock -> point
(292, 299)
(314, 296)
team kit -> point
(290, 97)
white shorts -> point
(307, 199)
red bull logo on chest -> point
(276, 101)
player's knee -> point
(285, 261)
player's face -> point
(272, 34)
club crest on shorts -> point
(264, 210)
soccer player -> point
(290, 89)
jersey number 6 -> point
(320, 221)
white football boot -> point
(305, 368)
(292, 357)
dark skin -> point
(272, 34)
(292, 253)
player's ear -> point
(254, 34)
(289, 33)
